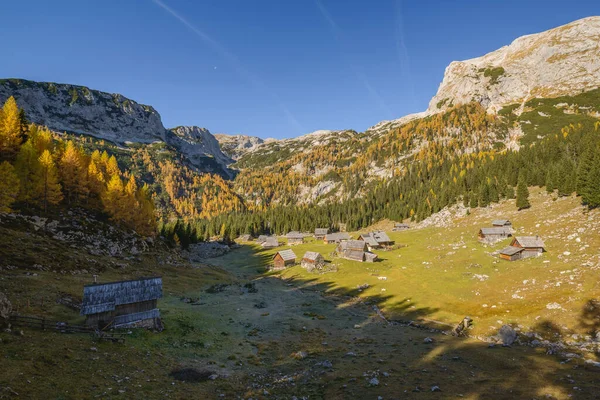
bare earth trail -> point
(288, 338)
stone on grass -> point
(374, 382)
(507, 335)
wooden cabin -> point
(270, 242)
(523, 247)
(320, 233)
(501, 222)
(376, 240)
(352, 250)
(336, 237)
(398, 227)
(122, 304)
(494, 234)
(312, 260)
(262, 238)
(283, 259)
(294, 238)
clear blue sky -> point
(269, 68)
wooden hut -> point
(122, 304)
(494, 234)
(523, 247)
(376, 240)
(352, 250)
(294, 238)
(270, 242)
(501, 222)
(283, 259)
(336, 237)
(400, 227)
(320, 233)
(262, 238)
(312, 260)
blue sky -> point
(269, 68)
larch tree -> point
(11, 130)
(28, 170)
(112, 198)
(9, 186)
(50, 193)
(73, 172)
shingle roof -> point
(400, 225)
(500, 222)
(354, 254)
(381, 237)
(337, 236)
(103, 297)
(369, 239)
(353, 245)
(311, 255)
(370, 256)
(287, 255)
(511, 250)
(497, 230)
(294, 235)
(530, 241)
(262, 238)
(321, 231)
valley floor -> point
(314, 336)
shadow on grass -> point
(458, 366)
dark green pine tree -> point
(591, 195)
(583, 172)
(522, 193)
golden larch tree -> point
(50, 193)
(9, 186)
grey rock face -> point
(197, 144)
(113, 117)
(235, 146)
(561, 61)
(77, 109)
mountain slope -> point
(561, 61)
(235, 146)
(113, 117)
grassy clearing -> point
(444, 273)
(271, 341)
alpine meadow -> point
(453, 252)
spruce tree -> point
(522, 193)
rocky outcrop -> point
(198, 144)
(77, 109)
(560, 61)
(235, 146)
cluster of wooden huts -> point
(376, 240)
(520, 247)
(356, 250)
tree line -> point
(39, 170)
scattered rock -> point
(428, 340)
(300, 355)
(374, 382)
(436, 389)
(5, 306)
(507, 335)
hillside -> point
(111, 117)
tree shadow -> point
(590, 318)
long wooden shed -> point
(122, 304)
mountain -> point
(198, 144)
(112, 117)
(539, 85)
(560, 61)
(235, 146)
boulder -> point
(507, 335)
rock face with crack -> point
(561, 61)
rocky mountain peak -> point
(561, 61)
